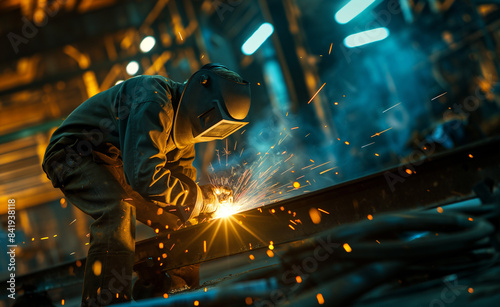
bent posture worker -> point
(129, 150)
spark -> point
(281, 141)
(315, 215)
(320, 165)
(439, 96)
(180, 35)
(226, 152)
(326, 212)
(289, 157)
(379, 133)
(287, 170)
(307, 166)
(320, 298)
(471, 156)
(314, 96)
(347, 248)
(44, 238)
(294, 128)
(391, 107)
(307, 135)
(330, 51)
(291, 227)
(367, 144)
(327, 170)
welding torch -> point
(215, 198)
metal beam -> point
(439, 179)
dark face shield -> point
(211, 108)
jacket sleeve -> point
(144, 153)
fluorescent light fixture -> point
(352, 9)
(366, 37)
(147, 44)
(257, 39)
(132, 68)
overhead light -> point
(366, 37)
(132, 68)
(257, 38)
(352, 9)
(147, 44)
(118, 82)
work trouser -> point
(96, 185)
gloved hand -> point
(215, 197)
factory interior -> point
(367, 174)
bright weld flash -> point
(225, 211)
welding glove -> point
(214, 197)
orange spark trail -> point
(327, 170)
(319, 209)
(379, 133)
(320, 165)
(314, 96)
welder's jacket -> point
(136, 117)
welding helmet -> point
(211, 107)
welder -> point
(126, 154)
